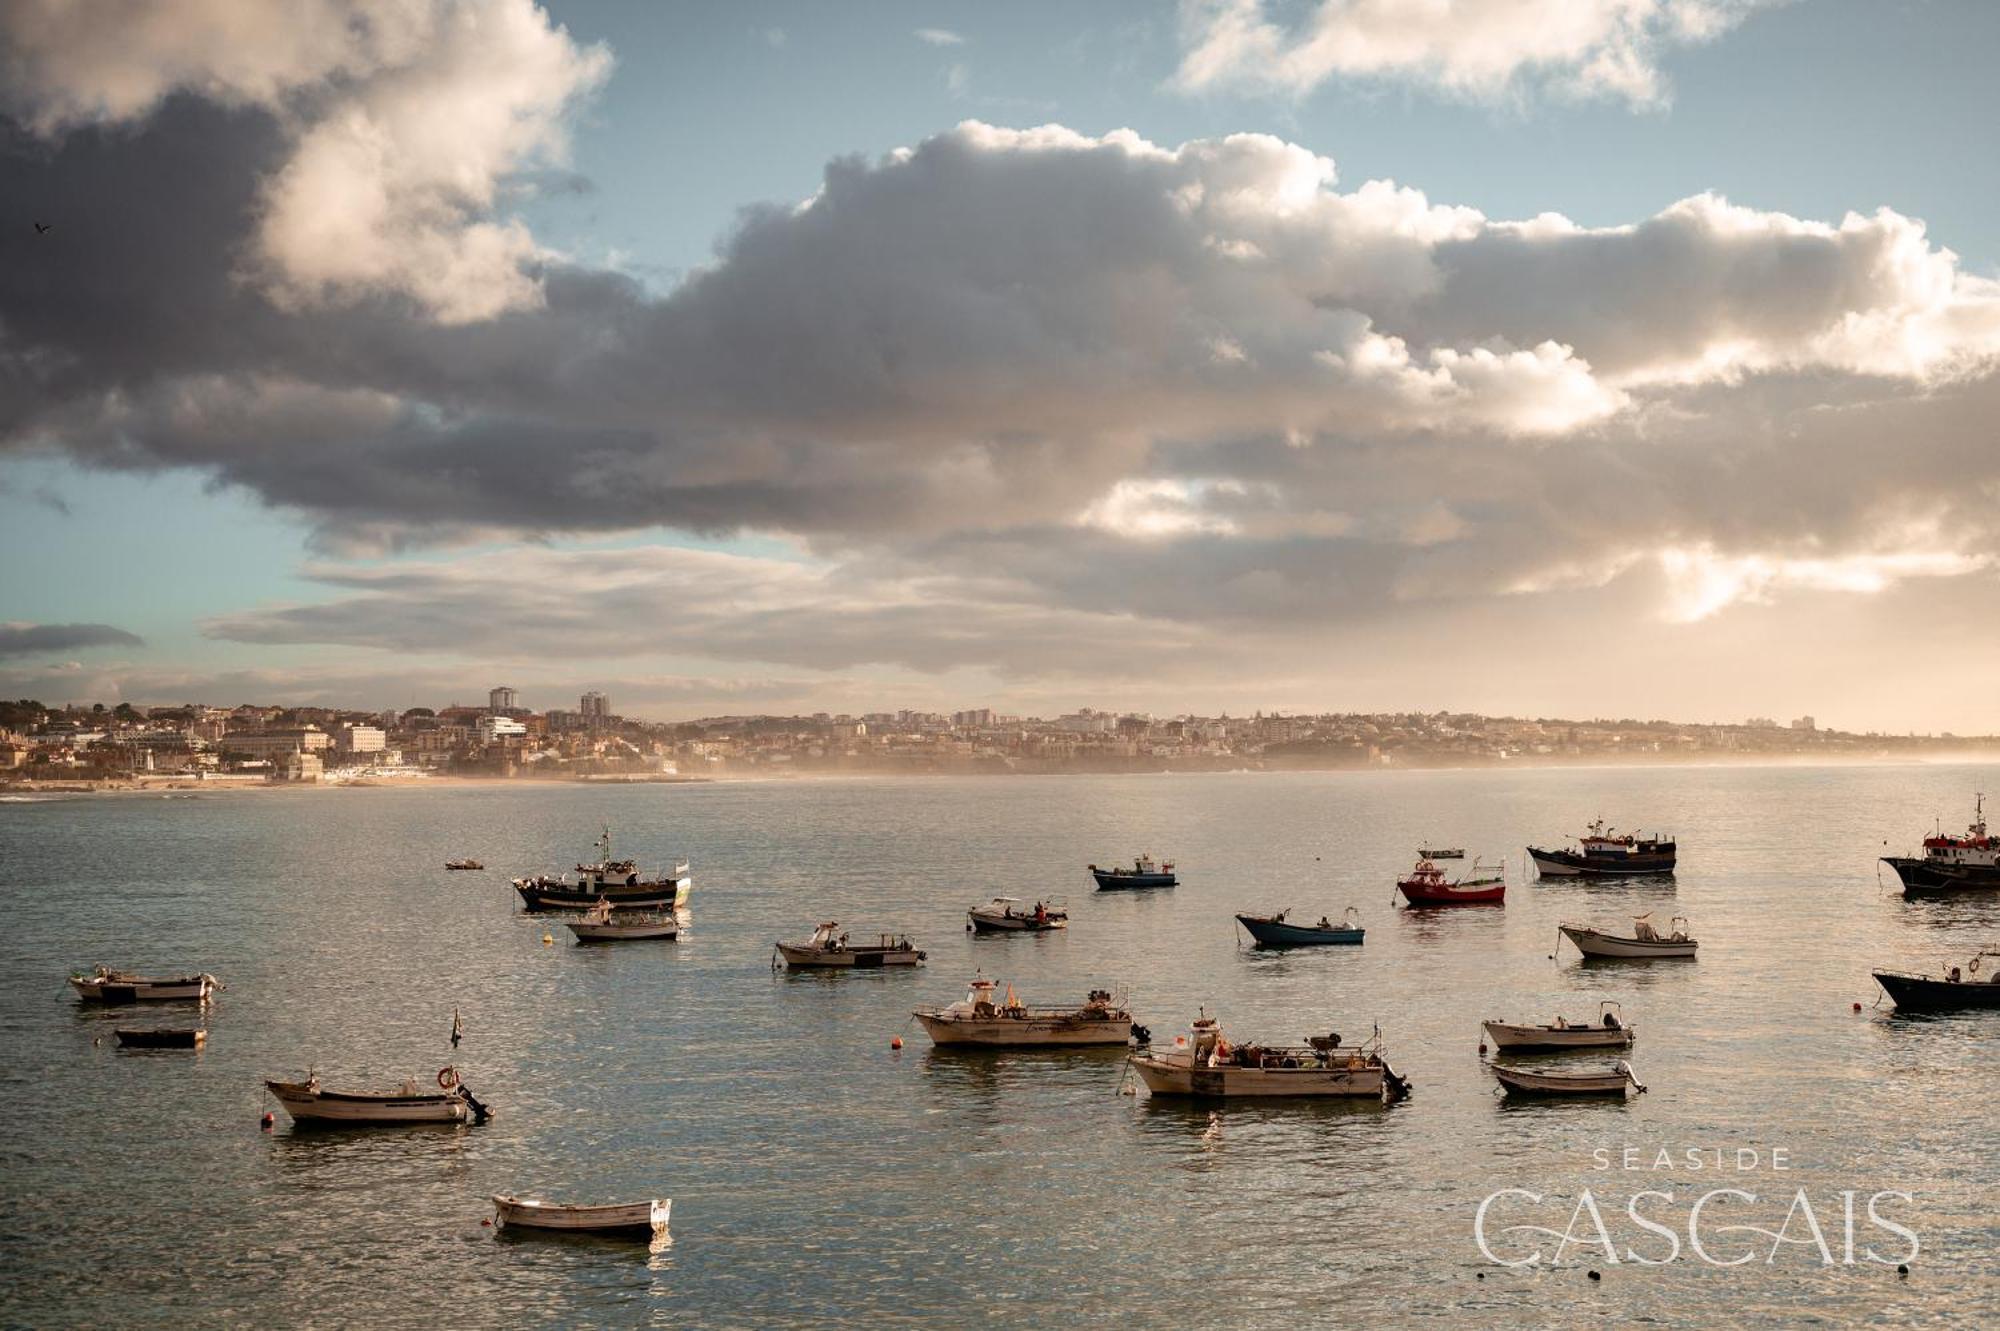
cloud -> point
(938, 37)
(23, 639)
(401, 120)
(1475, 49)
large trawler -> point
(616, 881)
(1969, 863)
(1602, 854)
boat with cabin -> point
(620, 881)
(1278, 931)
(830, 949)
(1974, 985)
(1145, 872)
(977, 1019)
(1426, 885)
(1522, 1082)
(1645, 943)
(1969, 863)
(105, 985)
(601, 924)
(1608, 1031)
(1204, 1064)
(618, 1219)
(1004, 915)
(1602, 853)
(311, 1104)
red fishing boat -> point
(1426, 885)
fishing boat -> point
(977, 1020)
(633, 1219)
(1008, 915)
(1441, 853)
(1976, 985)
(601, 924)
(1608, 1031)
(163, 1037)
(829, 948)
(1277, 931)
(618, 880)
(105, 985)
(1603, 854)
(1145, 872)
(1206, 1065)
(1969, 863)
(1519, 1081)
(463, 864)
(1426, 885)
(310, 1103)
(1645, 942)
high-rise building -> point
(500, 700)
(596, 710)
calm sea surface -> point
(819, 1178)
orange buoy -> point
(1482, 1046)
(268, 1120)
(896, 1042)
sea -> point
(1798, 1142)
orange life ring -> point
(447, 1077)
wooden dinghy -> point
(623, 1219)
(105, 985)
(1645, 943)
(1007, 915)
(1519, 1081)
(310, 1103)
(1608, 1031)
(601, 924)
(163, 1037)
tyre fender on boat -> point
(447, 1077)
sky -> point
(1628, 358)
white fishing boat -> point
(105, 985)
(1608, 1031)
(601, 924)
(1204, 1064)
(977, 1020)
(638, 1219)
(1518, 1081)
(310, 1103)
(1646, 942)
(829, 948)
(1012, 915)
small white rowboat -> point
(600, 924)
(639, 1219)
(105, 985)
(1609, 1032)
(1646, 942)
(1519, 1082)
(308, 1102)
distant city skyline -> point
(788, 358)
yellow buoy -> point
(548, 938)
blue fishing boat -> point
(1275, 931)
(1145, 872)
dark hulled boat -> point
(618, 882)
(1277, 931)
(1600, 854)
(1954, 991)
(1145, 872)
(1969, 863)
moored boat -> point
(1957, 989)
(977, 1020)
(310, 1103)
(620, 881)
(1520, 1081)
(1608, 1031)
(1645, 942)
(1441, 853)
(1277, 931)
(463, 864)
(633, 1219)
(1009, 915)
(163, 1037)
(1205, 1065)
(1145, 872)
(1969, 863)
(830, 949)
(1426, 885)
(105, 985)
(601, 924)
(1601, 854)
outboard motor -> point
(1141, 1036)
(480, 1113)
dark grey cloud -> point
(30, 639)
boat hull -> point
(1522, 1083)
(1276, 933)
(1026, 1032)
(1594, 944)
(662, 894)
(798, 957)
(621, 933)
(1570, 864)
(1112, 880)
(162, 1039)
(1176, 1075)
(1427, 894)
(1551, 1039)
(1926, 878)
(993, 922)
(624, 1219)
(1924, 993)
(349, 1109)
(139, 989)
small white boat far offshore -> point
(1010, 915)
(1518, 1081)
(105, 985)
(977, 1020)
(829, 948)
(601, 924)
(1608, 1031)
(310, 1103)
(1645, 943)
(636, 1219)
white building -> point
(363, 739)
(491, 729)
